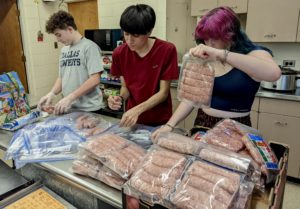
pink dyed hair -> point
(220, 24)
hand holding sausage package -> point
(196, 81)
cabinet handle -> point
(270, 35)
(203, 10)
(281, 123)
(234, 7)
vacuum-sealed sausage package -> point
(237, 137)
(157, 176)
(115, 152)
(228, 134)
(216, 155)
(208, 186)
(178, 143)
(87, 166)
(84, 123)
(196, 81)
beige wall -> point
(109, 13)
(41, 57)
(285, 51)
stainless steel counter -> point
(293, 96)
(63, 169)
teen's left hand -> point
(64, 105)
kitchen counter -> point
(84, 192)
(62, 170)
(293, 96)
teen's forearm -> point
(257, 64)
(182, 111)
(87, 86)
(56, 89)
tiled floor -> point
(291, 196)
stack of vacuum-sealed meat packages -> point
(211, 153)
(245, 140)
(177, 180)
(196, 81)
(112, 159)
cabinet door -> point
(175, 104)
(272, 20)
(286, 130)
(298, 34)
(189, 121)
(200, 7)
(254, 118)
(177, 24)
(238, 6)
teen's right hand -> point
(162, 129)
(114, 102)
(46, 100)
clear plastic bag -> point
(206, 186)
(18, 123)
(216, 155)
(85, 123)
(139, 134)
(228, 134)
(87, 166)
(196, 81)
(178, 143)
(43, 142)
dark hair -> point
(138, 19)
(60, 20)
(223, 24)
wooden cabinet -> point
(188, 122)
(238, 6)
(200, 7)
(298, 33)
(254, 112)
(279, 120)
(272, 20)
(180, 28)
(284, 129)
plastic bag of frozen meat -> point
(196, 81)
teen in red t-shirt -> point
(146, 67)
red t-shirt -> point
(142, 77)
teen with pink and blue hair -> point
(242, 65)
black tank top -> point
(234, 91)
